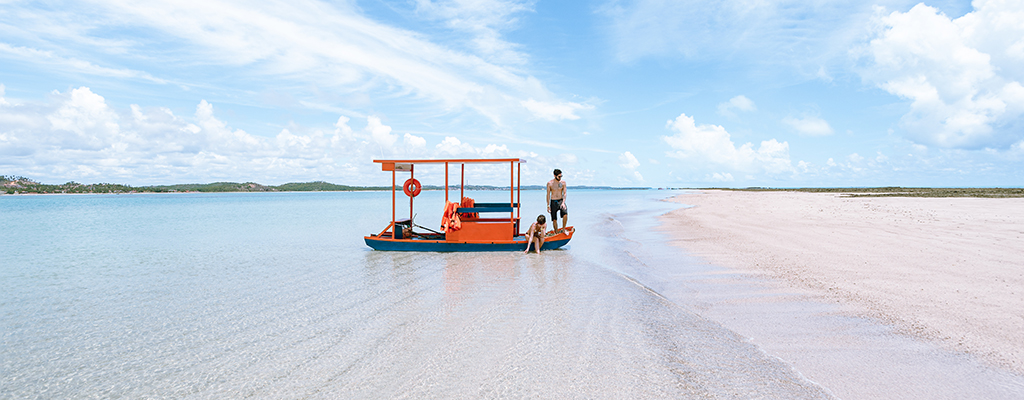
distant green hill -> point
(19, 185)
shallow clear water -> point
(276, 295)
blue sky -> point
(623, 93)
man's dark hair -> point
(558, 171)
(541, 219)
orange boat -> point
(465, 225)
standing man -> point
(556, 200)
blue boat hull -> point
(442, 246)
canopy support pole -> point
(511, 191)
(519, 188)
(393, 203)
(412, 174)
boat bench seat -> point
(479, 209)
(489, 207)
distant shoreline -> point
(16, 185)
(896, 191)
(10, 185)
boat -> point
(466, 225)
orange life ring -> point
(412, 188)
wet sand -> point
(945, 270)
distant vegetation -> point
(20, 184)
(23, 185)
(895, 191)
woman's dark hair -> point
(541, 219)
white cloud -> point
(792, 32)
(493, 150)
(568, 158)
(962, 75)
(809, 126)
(49, 59)
(452, 146)
(78, 136)
(629, 162)
(711, 143)
(719, 177)
(738, 103)
(483, 20)
(329, 45)
(380, 133)
(413, 142)
(3, 89)
(84, 122)
(342, 130)
(554, 111)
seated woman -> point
(536, 233)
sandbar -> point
(945, 270)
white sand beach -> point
(947, 270)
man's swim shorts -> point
(556, 206)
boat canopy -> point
(515, 172)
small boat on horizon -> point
(465, 225)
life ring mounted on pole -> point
(412, 187)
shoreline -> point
(945, 270)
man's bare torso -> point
(556, 189)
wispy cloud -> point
(738, 103)
(806, 32)
(483, 21)
(49, 59)
(555, 111)
(330, 45)
(809, 126)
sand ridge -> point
(946, 269)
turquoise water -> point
(275, 295)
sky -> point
(650, 93)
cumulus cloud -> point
(629, 162)
(84, 121)
(809, 126)
(413, 142)
(342, 130)
(79, 136)
(963, 76)
(712, 144)
(380, 133)
(554, 111)
(453, 147)
(738, 103)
